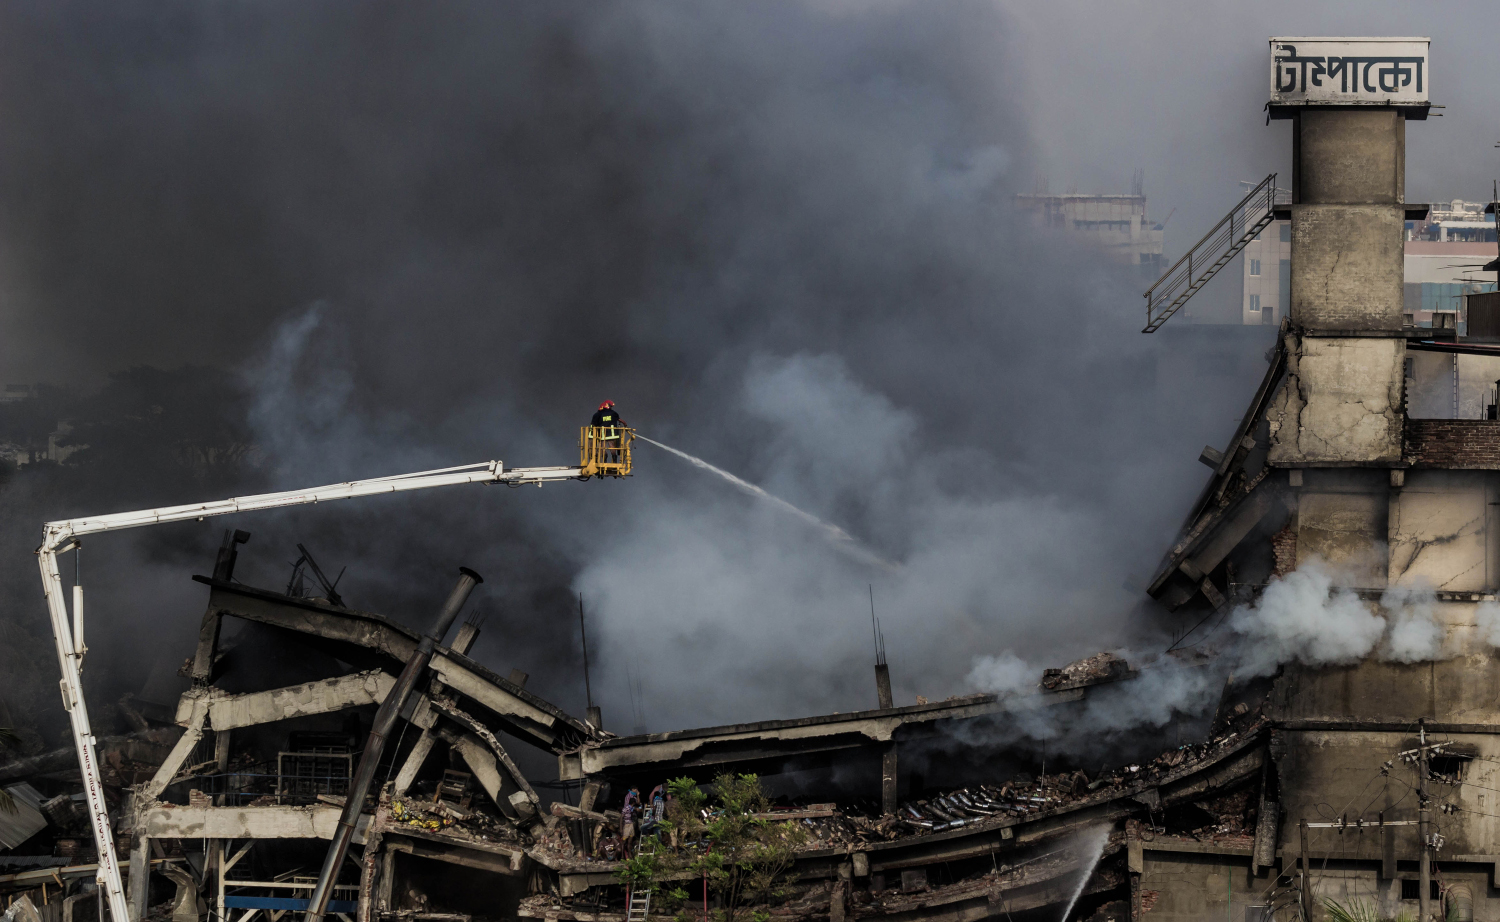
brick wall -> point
(1455, 444)
(1284, 547)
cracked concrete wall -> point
(1340, 402)
(1347, 531)
(1327, 775)
(1437, 531)
(1189, 887)
(1440, 531)
(1464, 688)
(1348, 267)
(1351, 156)
(1348, 220)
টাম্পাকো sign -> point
(1349, 71)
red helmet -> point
(607, 405)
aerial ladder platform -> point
(603, 452)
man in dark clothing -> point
(607, 419)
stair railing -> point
(1212, 253)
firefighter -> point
(607, 419)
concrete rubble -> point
(225, 802)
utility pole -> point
(1424, 829)
(1304, 891)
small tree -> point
(745, 860)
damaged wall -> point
(1441, 531)
(1342, 522)
(1342, 399)
(1341, 402)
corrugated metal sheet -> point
(27, 821)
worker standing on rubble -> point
(607, 419)
(628, 813)
(652, 811)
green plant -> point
(639, 871)
(745, 860)
(1352, 911)
(1360, 911)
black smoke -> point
(779, 235)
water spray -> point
(841, 539)
(1092, 843)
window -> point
(1255, 267)
(1412, 890)
(1255, 304)
(1286, 232)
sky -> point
(776, 234)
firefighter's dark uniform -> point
(607, 419)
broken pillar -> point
(888, 778)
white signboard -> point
(1349, 71)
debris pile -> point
(1093, 670)
(1024, 795)
(227, 796)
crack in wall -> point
(1419, 545)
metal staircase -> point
(638, 903)
(1211, 254)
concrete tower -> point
(1327, 470)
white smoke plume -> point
(1002, 673)
(1305, 617)
(1487, 618)
(1415, 636)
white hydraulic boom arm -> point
(61, 537)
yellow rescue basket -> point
(604, 451)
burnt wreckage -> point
(231, 798)
(1363, 782)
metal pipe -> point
(385, 721)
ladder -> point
(1212, 253)
(638, 901)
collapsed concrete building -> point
(1360, 783)
(227, 801)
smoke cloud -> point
(1415, 636)
(778, 235)
(1305, 617)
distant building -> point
(1457, 221)
(1268, 275)
(1445, 259)
(1116, 223)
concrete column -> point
(888, 778)
(385, 884)
(883, 686)
(140, 877)
(1342, 402)
(414, 760)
